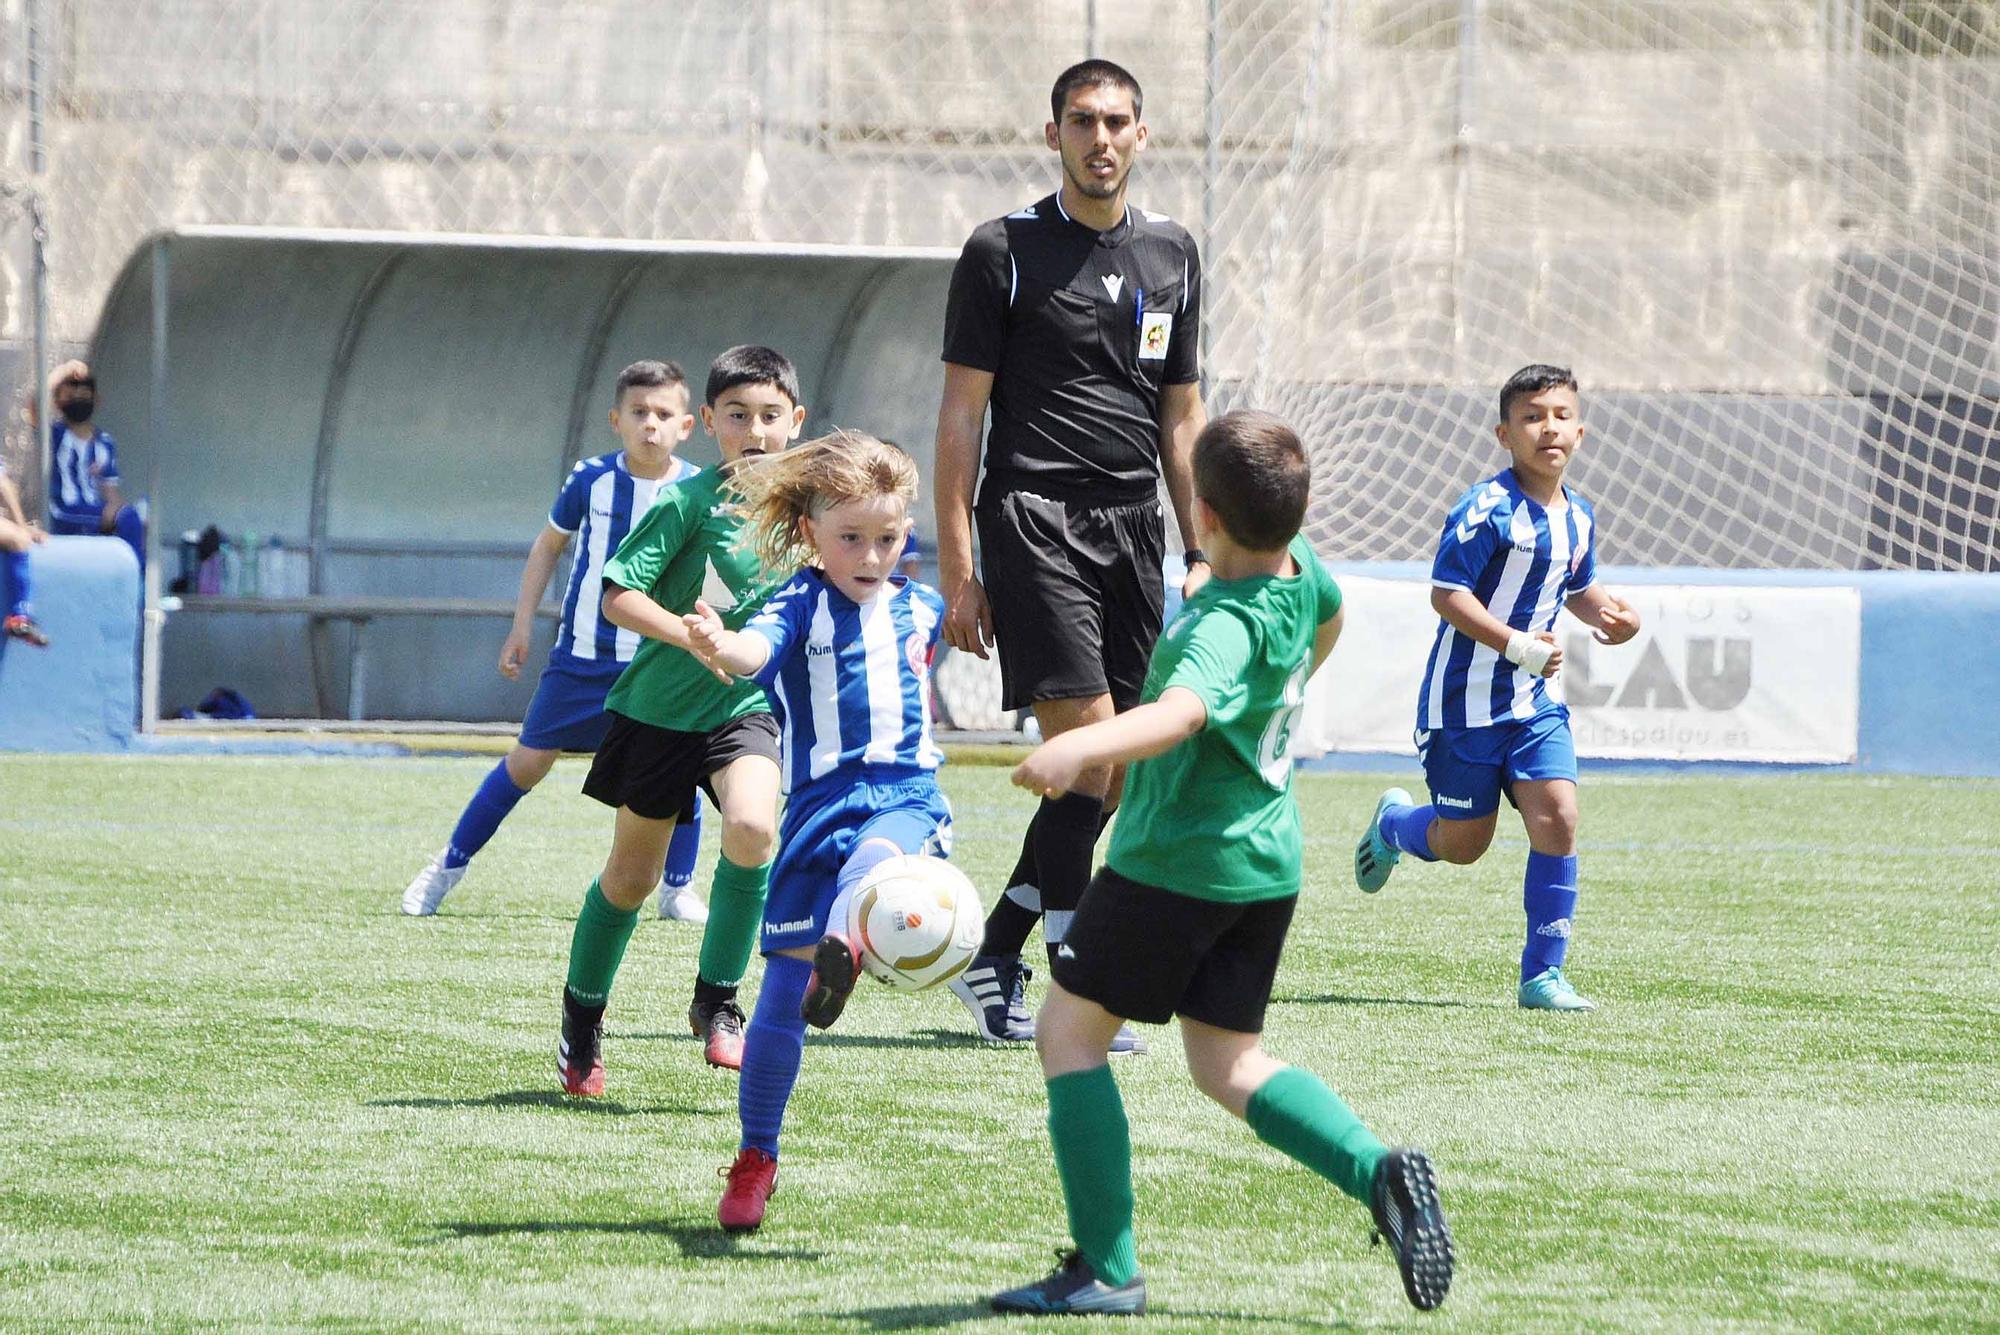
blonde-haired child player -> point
(843, 653)
(1189, 913)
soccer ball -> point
(915, 921)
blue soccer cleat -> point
(1374, 859)
(1550, 991)
(1074, 1289)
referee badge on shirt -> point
(1156, 330)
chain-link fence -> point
(1762, 230)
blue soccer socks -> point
(1407, 829)
(19, 582)
(1549, 895)
(682, 850)
(773, 1047)
(489, 806)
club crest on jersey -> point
(916, 652)
(1156, 330)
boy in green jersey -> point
(676, 728)
(1189, 913)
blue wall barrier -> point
(1930, 662)
(81, 692)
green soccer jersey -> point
(685, 548)
(1214, 817)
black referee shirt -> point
(1080, 329)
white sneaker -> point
(681, 904)
(433, 883)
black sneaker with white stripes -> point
(1404, 1201)
(995, 989)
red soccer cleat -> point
(719, 1026)
(835, 966)
(753, 1180)
(21, 626)
(580, 1061)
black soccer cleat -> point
(835, 968)
(995, 989)
(580, 1058)
(1404, 1201)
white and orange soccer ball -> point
(915, 921)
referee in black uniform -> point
(1077, 320)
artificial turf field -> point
(242, 1091)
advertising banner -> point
(1717, 672)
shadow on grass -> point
(930, 1316)
(697, 1241)
(918, 1038)
(1339, 999)
(550, 1098)
(917, 1316)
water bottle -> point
(190, 561)
(249, 583)
(232, 570)
(271, 568)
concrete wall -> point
(80, 693)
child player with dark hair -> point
(1188, 915)
(1516, 549)
(599, 503)
(676, 731)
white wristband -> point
(1531, 653)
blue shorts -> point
(819, 835)
(1468, 767)
(567, 713)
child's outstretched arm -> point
(535, 575)
(727, 653)
(1464, 613)
(1611, 619)
(1149, 730)
(635, 610)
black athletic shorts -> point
(655, 771)
(1077, 594)
(1149, 954)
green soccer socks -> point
(1294, 1111)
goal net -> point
(1761, 231)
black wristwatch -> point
(1194, 556)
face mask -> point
(79, 409)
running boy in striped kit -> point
(601, 501)
(1516, 548)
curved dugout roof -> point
(406, 405)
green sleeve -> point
(643, 557)
(1214, 665)
(1326, 593)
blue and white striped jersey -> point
(850, 683)
(81, 468)
(598, 505)
(1522, 562)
